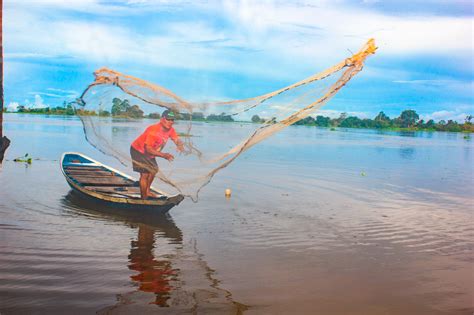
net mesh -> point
(116, 108)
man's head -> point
(167, 118)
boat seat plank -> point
(83, 166)
(109, 181)
(104, 175)
(88, 172)
(121, 194)
(131, 189)
(129, 192)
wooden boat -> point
(101, 185)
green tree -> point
(367, 123)
(408, 118)
(154, 115)
(322, 121)
(453, 126)
(468, 126)
(382, 117)
(306, 121)
(183, 116)
(430, 124)
(119, 107)
(381, 121)
(116, 106)
(351, 122)
(198, 116)
(336, 122)
(69, 110)
(133, 111)
(256, 119)
(221, 117)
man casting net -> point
(116, 109)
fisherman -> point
(148, 146)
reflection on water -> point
(407, 153)
(318, 220)
(161, 264)
(162, 222)
(407, 133)
(153, 275)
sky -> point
(224, 50)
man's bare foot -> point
(152, 195)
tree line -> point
(120, 109)
(408, 119)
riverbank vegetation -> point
(408, 119)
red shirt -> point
(154, 136)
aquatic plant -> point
(23, 159)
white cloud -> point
(64, 93)
(56, 3)
(94, 41)
(59, 94)
(39, 103)
(281, 32)
(27, 55)
(264, 39)
(455, 86)
(341, 27)
(446, 115)
(85, 6)
(12, 107)
(424, 82)
(336, 113)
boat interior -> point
(98, 178)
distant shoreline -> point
(451, 126)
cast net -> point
(116, 108)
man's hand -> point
(179, 145)
(168, 156)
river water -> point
(319, 222)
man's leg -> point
(143, 185)
(151, 177)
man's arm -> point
(158, 153)
(179, 144)
(177, 141)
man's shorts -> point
(142, 163)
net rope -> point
(116, 108)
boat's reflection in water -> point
(156, 259)
(152, 275)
